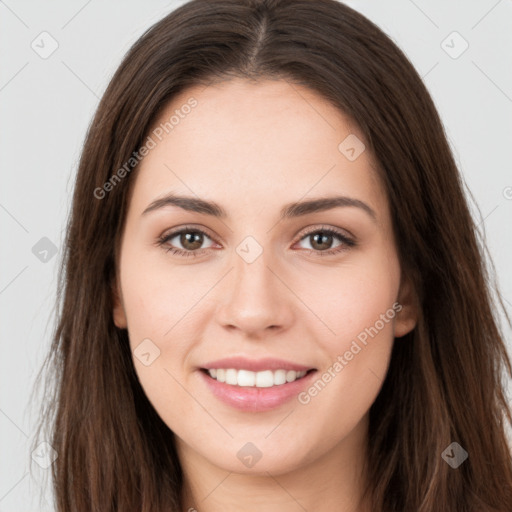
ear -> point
(407, 314)
(118, 312)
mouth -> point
(251, 379)
(255, 385)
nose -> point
(255, 299)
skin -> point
(252, 148)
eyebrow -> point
(291, 210)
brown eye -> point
(185, 242)
(325, 241)
(191, 240)
(321, 240)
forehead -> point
(251, 143)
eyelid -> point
(313, 228)
(348, 240)
(171, 233)
(323, 227)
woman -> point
(273, 295)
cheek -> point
(164, 307)
(343, 308)
(160, 299)
(360, 338)
(158, 313)
(340, 304)
(351, 299)
(359, 308)
(356, 365)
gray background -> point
(46, 105)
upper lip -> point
(255, 365)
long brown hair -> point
(446, 378)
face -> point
(293, 299)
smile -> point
(261, 379)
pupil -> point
(191, 240)
(321, 240)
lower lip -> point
(253, 399)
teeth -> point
(231, 377)
(246, 378)
(291, 376)
(280, 377)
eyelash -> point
(347, 242)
